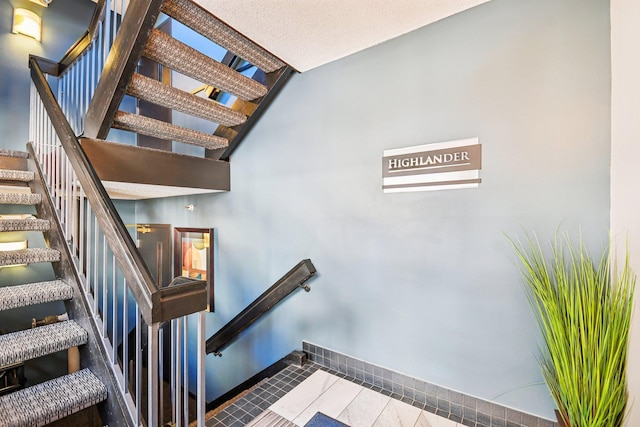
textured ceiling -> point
(309, 33)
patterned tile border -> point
(461, 408)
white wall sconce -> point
(44, 3)
(28, 23)
(13, 246)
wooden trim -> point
(120, 65)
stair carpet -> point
(173, 54)
(52, 400)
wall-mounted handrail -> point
(291, 281)
(156, 305)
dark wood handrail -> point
(291, 281)
(120, 65)
(78, 48)
(156, 305)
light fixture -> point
(13, 246)
(44, 3)
(28, 23)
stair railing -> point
(117, 285)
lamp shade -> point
(28, 23)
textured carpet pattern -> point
(30, 224)
(164, 130)
(34, 293)
(158, 93)
(29, 256)
(13, 153)
(41, 404)
(201, 21)
(31, 343)
(14, 175)
(176, 55)
(20, 199)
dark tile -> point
(431, 389)
(468, 423)
(468, 401)
(420, 396)
(498, 422)
(455, 397)
(443, 404)
(396, 396)
(442, 413)
(469, 413)
(368, 367)
(455, 418)
(408, 392)
(237, 423)
(255, 411)
(529, 420)
(483, 419)
(432, 400)
(408, 400)
(442, 393)
(455, 409)
(514, 416)
(386, 374)
(483, 406)
(498, 411)
(545, 423)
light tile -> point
(427, 419)
(398, 414)
(364, 409)
(332, 402)
(304, 394)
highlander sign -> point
(439, 166)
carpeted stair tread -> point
(30, 224)
(13, 153)
(29, 256)
(201, 21)
(52, 400)
(161, 94)
(15, 175)
(159, 129)
(176, 55)
(20, 199)
(32, 343)
(34, 293)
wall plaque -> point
(429, 167)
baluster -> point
(201, 357)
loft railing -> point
(120, 292)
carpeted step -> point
(32, 343)
(29, 256)
(176, 55)
(159, 129)
(201, 21)
(13, 153)
(52, 400)
(161, 94)
(15, 175)
(20, 199)
(34, 293)
(30, 224)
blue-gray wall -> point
(63, 22)
(423, 283)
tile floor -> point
(294, 395)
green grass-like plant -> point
(583, 310)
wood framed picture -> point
(193, 256)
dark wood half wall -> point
(121, 163)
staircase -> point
(246, 96)
(49, 401)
